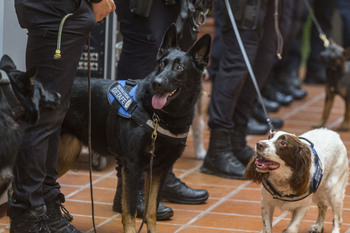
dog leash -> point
(89, 136)
(249, 67)
(322, 35)
(155, 121)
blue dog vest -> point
(126, 99)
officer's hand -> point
(102, 9)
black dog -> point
(155, 120)
(20, 97)
(334, 57)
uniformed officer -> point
(35, 204)
(233, 93)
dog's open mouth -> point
(160, 100)
(264, 165)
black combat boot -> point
(163, 212)
(176, 191)
(31, 221)
(57, 223)
(220, 160)
(240, 149)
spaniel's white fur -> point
(288, 164)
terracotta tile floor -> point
(233, 205)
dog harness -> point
(122, 98)
(126, 99)
(314, 184)
(16, 107)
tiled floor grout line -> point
(336, 122)
(279, 218)
(5, 228)
(225, 229)
(214, 206)
(296, 110)
(103, 223)
(189, 171)
(88, 185)
(89, 201)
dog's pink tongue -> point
(158, 101)
(264, 164)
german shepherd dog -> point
(335, 58)
(20, 97)
(158, 125)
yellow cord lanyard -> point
(59, 36)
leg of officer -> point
(227, 88)
(36, 198)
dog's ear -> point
(7, 64)
(31, 74)
(347, 53)
(169, 41)
(200, 51)
(251, 173)
(301, 171)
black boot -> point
(259, 116)
(271, 92)
(270, 105)
(174, 190)
(220, 160)
(240, 149)
(33, 221)
(163, 212)
(56, 222)
(256, 128)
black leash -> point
(322, 35)
(249, 67)
(89, 137)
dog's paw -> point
(200, 152)
(316, 228)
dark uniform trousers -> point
(323, 13)
(233, 92)
(35, 175)
(142, 37)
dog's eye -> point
(283, 143)
(161, 64)
(180, 67)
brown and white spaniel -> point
(294, 171)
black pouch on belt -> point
(140, 7)
(246, 13)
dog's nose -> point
(260, 146)
(157, 83)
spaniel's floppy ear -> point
(301, 171)
(251, 173)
